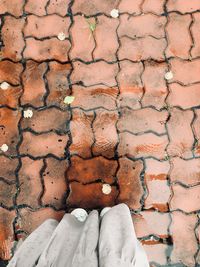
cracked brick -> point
(55, 184)
(36, 7)
(196, 126)
(185, 72)
(47, 120)
(9, 134)
(7, 192)
(106, 38)
(156, 253)
(94, 97)
(90, 170)
(179, 37)
(43, 144)
(186, 172)
(13, 7)
(130, 185)
(130, 84)
(82, 134)
(155, 89)
(58, 6)
(47, 49)
(105, 133)
(7, 233)
(142, 120)
(131, 7)
(184, 96)
(58, 84)
(151, 223)
(34, 84)
(8, 168)
(10, 72)
(80, 31)
(142, 145)
(184, 240)
(10, 97)
(12, 34)
(142, 49)
(89, 74)
(195, 52)
(180, 144)
(47, 26)
(183, 6)
(185, 199)
(153, 6)
(141, 26)
(90, 196)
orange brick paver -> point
(134, 121)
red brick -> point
(184, 96)
(92, 7)
(34, 84)
(9, 129)
(151, 223)
(186, 172)
(90, 196)
(29, 220)
(10, 97)
(131, 7)
(105, 133)
(179, 37)
(130, 185)
(157, 253)
(142, 49)
(140, 26)
(58, 83)
(106, 38)
(90, 170)
(80, 31)
(185, 72)
(196, 35)
(55, 184)
(154, 85)
(183, 6)
(43, 144)
(47, 120)
(89, 74)
(153, 6)
(196, 126)
(142, 120)
(7, 233)
(142, 145)
(130, 84)
(12, 34)
(14, 7)
(185, 199)
(10, 72)
(94, 97)
(30, 182)
(156, 170)
(7, 193)
(36, 7)
(8, 168)
(58, 6)
(82, 134)
(179, 123)
(184, 240)
(47, 26)
(47, 49)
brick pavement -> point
(133, 124)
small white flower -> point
(61, 36)
(106, 189)
(80, 214)
(28, 113)
(114, 13)
(4, 148)
(169, 75)
(69, 99)
(4, 85)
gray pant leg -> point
(30, 250)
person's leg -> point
(118, 244)
(30, 250)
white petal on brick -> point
(114, 13)
(4, 148)
(106, 189)
(169, 75)
(28, 113)
(80, 214)
(61, 36)
(4, 85)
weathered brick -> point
(10, 72)
(153, 6)
(183, 6)
(10, 97)
(157, 253)
(14, 7)
(7, 193)
(131, 7)
(36, 7)
(58, 6)
(156, 170)
(8, 168)
(195, 52)
(196, 127)
(130, 185)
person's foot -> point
(104, 211)
(80, 214)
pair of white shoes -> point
(84, 240)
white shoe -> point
(104, 210)
(80, 214)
